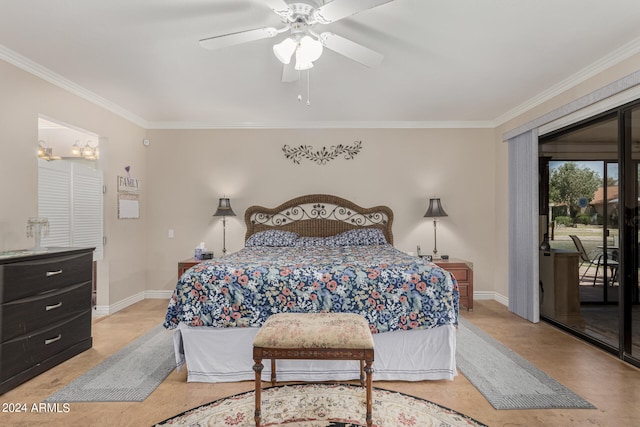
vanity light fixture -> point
(75, 149)
(86, 151)
(45, 152)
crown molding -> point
(615, 57)
(608, 61)
(44, 73)
(591, 100)
(322, 125)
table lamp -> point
(435, 210)
(224, 210)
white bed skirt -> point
(226, 355)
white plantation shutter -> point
(70, 196)
(54, 200)
(87, 209)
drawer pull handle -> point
(54, 306)
(52, 340)
(54, 273)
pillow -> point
(315, 241)
(361, 237)
(272, 238)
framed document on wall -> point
(128, 206)
(128, 196)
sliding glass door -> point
(590, 212)
(631, 296)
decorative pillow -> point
(315, 241)
(272, 238)
(361, 237)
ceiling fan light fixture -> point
(299, 17)
(284, 50)
(309, 48)
(301, 66)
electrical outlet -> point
(170, 234)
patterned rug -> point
(506, 379)
(321, 405)
(130, 375)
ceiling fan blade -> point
(279, 7)
(338, 9)
(289, 73)
(351, 50)
(232, 39)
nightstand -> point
(186, 264)
(463, 272)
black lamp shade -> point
(224, 208)
(435, 209)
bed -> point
(316, 253)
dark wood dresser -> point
(45, 311)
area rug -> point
(130, 375)
(504, 378)
(321, 405)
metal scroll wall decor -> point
(319, 211)
(323, 155)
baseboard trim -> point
(491, 296)
(158, 294)
(104, 310)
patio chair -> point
(598, 260)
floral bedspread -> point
(392, 290)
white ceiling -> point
(468, 62)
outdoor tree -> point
(568, 183)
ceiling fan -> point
(300, 17)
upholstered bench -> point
(327, 336)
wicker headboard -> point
(318, 215)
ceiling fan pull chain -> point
(299, 86)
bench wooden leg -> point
(257, 368)
(368, 369)
(273, 372)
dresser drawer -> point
(464, 290)
(461, 275)
(23, 352)
(22, 279)
(27, 315)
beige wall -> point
(24, 97)
(189, 170)
(183, 173)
